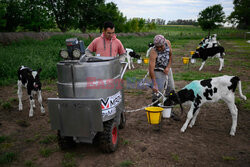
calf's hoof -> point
(232, 133)
(182, 130)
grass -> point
(126, 163)
(193, 75)
(46, 152)
(228, 158)
(69, 160)
(175, 157)
(29, 163)
(6, 105)
(7, 158)
(45, 54)
(48, 139)
(23, 123)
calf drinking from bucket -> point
(210, 52)
(30, 79)
(209, 90)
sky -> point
(168, 10)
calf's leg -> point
(202, 64)
(194, 118)
(40, 100)
(20, 94)
(221, 63)
(31, 106)
(189, 117)
(234, 112)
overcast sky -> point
(168, 9)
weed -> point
(228, 158)
(29, 163)
(7, 157)
(175, 157)
(6, 105)
(45, 152)
(4, 139)
(13, 99)
(125, 142)
(126, 163)
(48, 139)
(23, 123)
(69, 160)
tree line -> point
(183, 22)
(37, 15)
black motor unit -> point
(75, 48)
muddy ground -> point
(208, 143)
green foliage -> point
(46, 152)
(193, 75)
(4, 139)
(69, 160)
(241, 13)
(228, 158)
(175, 157)
(6, 105)
(211, 17)
(3, 11)
(23, 123)
(126, 163)
(29, 163)
(48, 139)
(7, 158)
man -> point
(107, 44)
(160, 71)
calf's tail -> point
(240, 92)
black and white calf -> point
(209, 42)
(203, 53)
(209, 90)
(130, 55)
(29, 79)
(150, 46)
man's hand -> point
(166, 70)
(155, 88)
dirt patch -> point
(208, 143)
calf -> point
(150, 46)
(130, 55)
(210, 52)
(209, 90)
(209, 42)
(29, 79)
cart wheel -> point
(109, 137)
(66, 142)
(122, 121)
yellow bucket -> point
(146, 60)
(154, 114)
(185, 60)
(192, 52)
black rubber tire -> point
(108, 139)
(122, 121)
(66, 142)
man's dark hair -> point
(108, 24)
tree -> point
(241, 14)
(12, 16)
(3, 11)
(110, 12)
(36, 16)
(64, 12)
(211, 17)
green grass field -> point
(45, 54)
